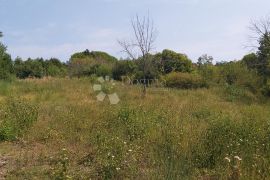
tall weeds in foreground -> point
(180, 134)
(17, 116)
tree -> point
(142, 43)
(206, 68)
(6, 67)
(54, 67)
(124, 68)
(174, 62)
(261, 35)
(205, 60)
(87, 63)
(251, 60)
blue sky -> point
(58, 28)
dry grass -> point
(163, 136)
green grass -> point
(175, 134)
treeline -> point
(175, 69)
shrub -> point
(237, 93)
(104, 70)
(123, 68)
(16, 117)
(235, 73)
(184, 81)
(171, 61)
(226, 141)
(266, 89)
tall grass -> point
(177, 134)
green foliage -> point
(205, 60)
(209, 73)
(87, 63)
(17, 116)
(266, 88)
(251, 60)
(104, 70)
(185, 81)
(148, 68)
(234, 93)
(228, 142)
(6, 67)
(61, 164)
(101, 57)
(170, 61)
(263, 65)
(39, 68)
(54, 68)
(237, 73)
(177, 134)
(123, 68)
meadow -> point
(54, 128)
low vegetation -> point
(62, 133)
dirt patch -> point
(3, 169)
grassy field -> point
(215, 133)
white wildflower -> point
(228, 159)
(238, 158)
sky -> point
(59, 28)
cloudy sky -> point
(58, 28)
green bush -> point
(235, 73)
(123, 68)
(225, 140)
(16, 117)
(185, 81)
(234, 93)
(266, 89)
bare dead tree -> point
(259, 29)
(141, 45)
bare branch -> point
(259, 28)
(144, 38)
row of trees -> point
(252, 71)
(37, 68)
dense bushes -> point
(185, 81)
(16, 117)
(123, 68)
(39, 68)
(88, 63)
(266, 89)
(238, 74)
(171, 61)
(226, 142)
(153, 66)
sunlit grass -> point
(169, 134)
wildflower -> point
(117, 169)
(130, 150)
(238, 158)
(228, 159)
(113, 156)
